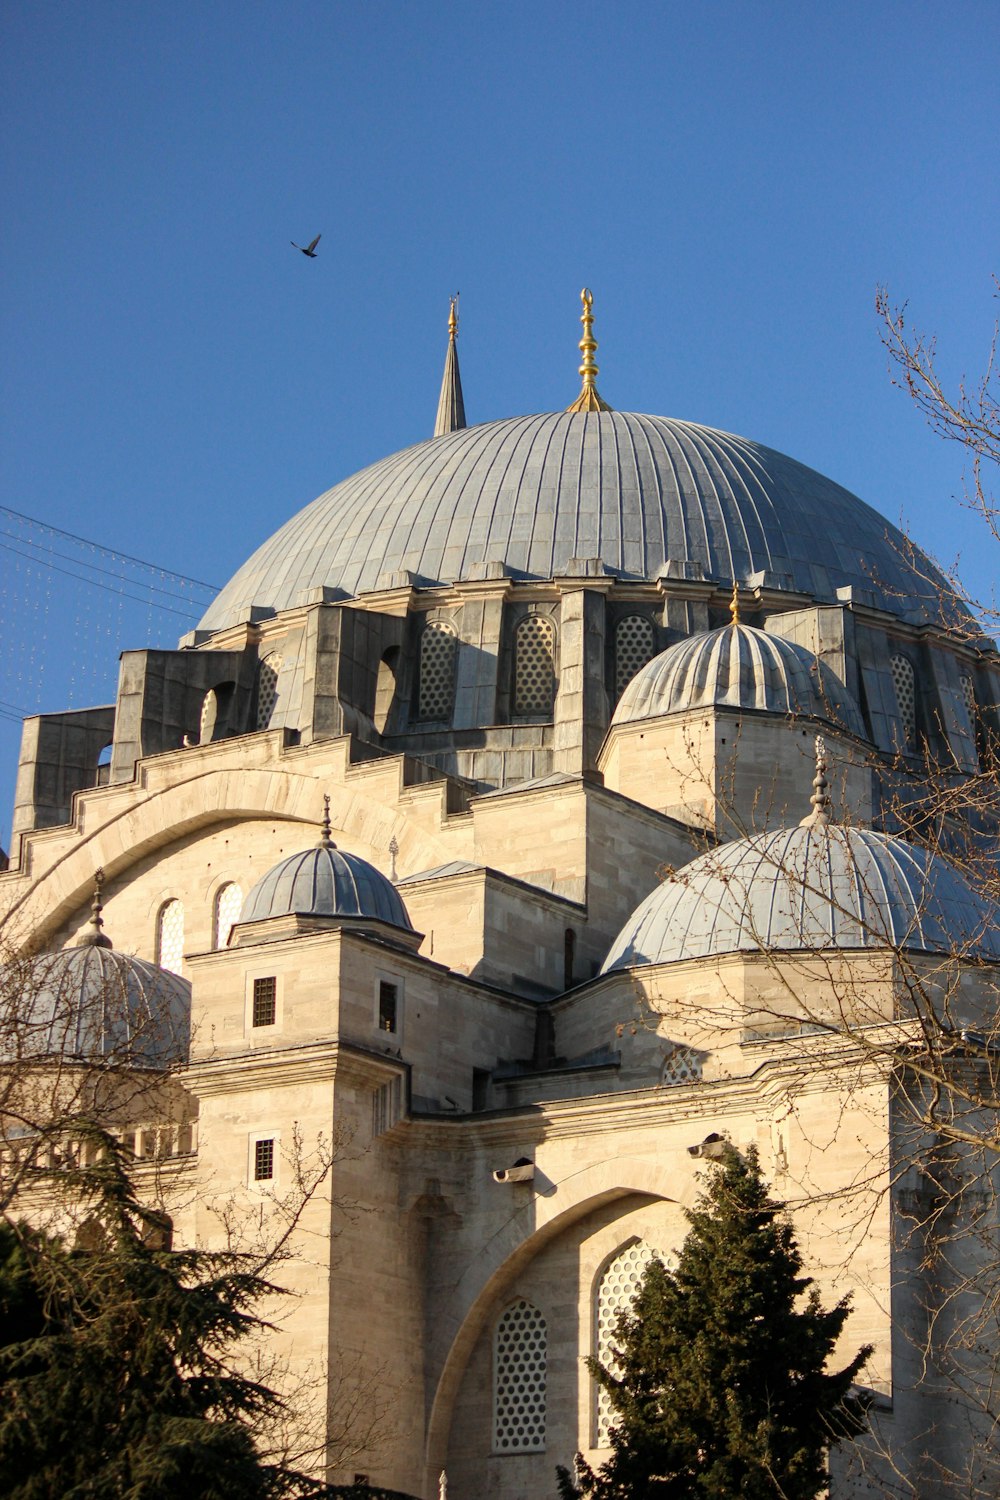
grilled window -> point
(438, 648)
(906, 696)
(267, 688)
(616, 1290)
(265, 1001)
(521, 1353)
(170, 937)
(534, 666)
(634, 646)
(263, 1160)
(388, 1005)
(228, 905)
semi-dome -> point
(537, 494)
(325, 882)
(93, 1004)
(739, 667)
(818, 887)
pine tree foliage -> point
(719, 1383)
(115, 1375)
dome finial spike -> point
(588, 399)
(734, 603)
(451, 402)
(326, 842)
(92, 936)
(820, 798)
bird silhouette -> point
(310, 249)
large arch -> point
(524, 1235)
(161, 812)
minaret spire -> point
(588, 399)
(451, 405)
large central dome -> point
(535, 493)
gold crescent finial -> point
(453, 319)
(734, 603)
(588, 399)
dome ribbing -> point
(325, 882)
(815, 887)
(737, 667)
(532, 494)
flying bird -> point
(309, 250)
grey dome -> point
(325, 882)
(737, 667)
(91, 1003)
(534, 493)
(817, 886)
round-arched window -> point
(170, 936)
(267, 688)
(228, 905)
(436, 681)
(520, 1370)
(534, 666)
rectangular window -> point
(263, 1160)
(388, 1005)
(265, 1001)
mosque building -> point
(516, 825)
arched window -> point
(436, 682)
(104, 766)
(385, 688)
(534, 666)
(170, 936)
(634, 644)
(616, 1289)
(519, 1379)
(228, 905)
(906, 696)
(267, 688)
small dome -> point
(818, 886)
(325, 882)
(740, 667)
(91, 1003)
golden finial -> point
(453, 319)
(588, 399)
(326, 842)
(734, 603)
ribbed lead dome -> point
(92, 1003)
(325, 882)
(818, 886)
(534, 493)
(740, 667)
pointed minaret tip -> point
(451, 405)
(588, 399)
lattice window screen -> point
(438, 646)
(267, 688)
(969, 697)
(519, 1380)
(228, 905)
(633, 648)
(534, 679)
(170, 937)
(682, 1066)
(617, 1288)
(906, 695)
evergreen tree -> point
(115, 1380)
(718, 1383)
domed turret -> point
(91, 1004)
(738, 667)
(325, 882)
(816, 887)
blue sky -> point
(731, 179)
